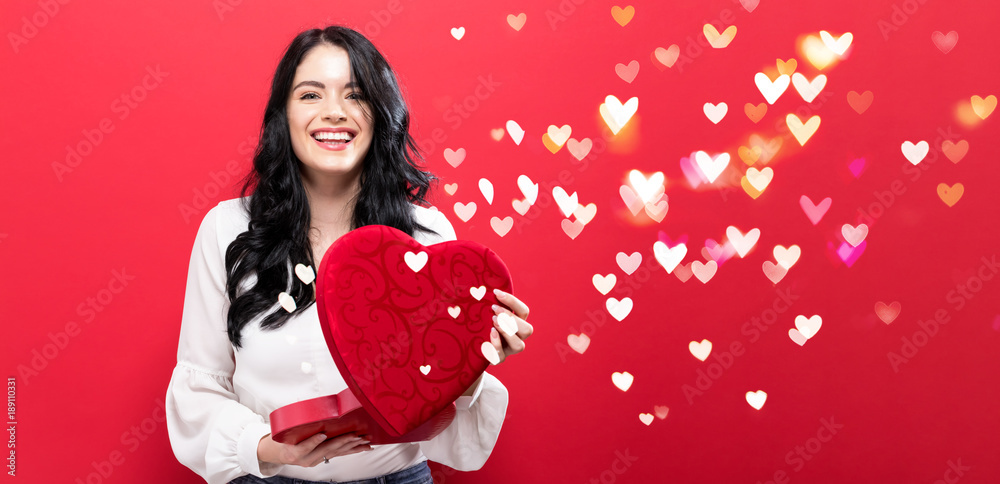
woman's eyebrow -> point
(320, 85)
(315, 84)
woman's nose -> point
(334, 110)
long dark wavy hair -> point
(277, 236)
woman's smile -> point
(334, 139)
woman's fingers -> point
(301, 454)
(345, 444)
(519, 308)
(312, 442)
(514, 343)
(497, 342)
(524, 329)
(312, 451)
(323, 450)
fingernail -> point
(498, 292)
(493, 331)
(363, 442)
(495, 308)
(494, 318)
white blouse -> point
(219, 398)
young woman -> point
(335, 154)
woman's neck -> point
(331, 202)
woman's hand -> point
(510, 327)
(312, 451)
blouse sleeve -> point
(210, 431)
(469, 440)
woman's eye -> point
(356, 95)
(306, 96)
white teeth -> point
(339, 135)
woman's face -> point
(326, 118)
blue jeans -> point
(416, 474)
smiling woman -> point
(334, 154)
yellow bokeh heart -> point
(717, 40)
(559, 135)
(555, 137)
(750, 155)
(984, 107)
(950, 195)
(755, 181)
(550, 144)
(802, 131)
(787, 67)
(817, 53)
(623, 15)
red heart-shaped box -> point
(405, 324)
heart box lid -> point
(405, 324)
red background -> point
(134, 204)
